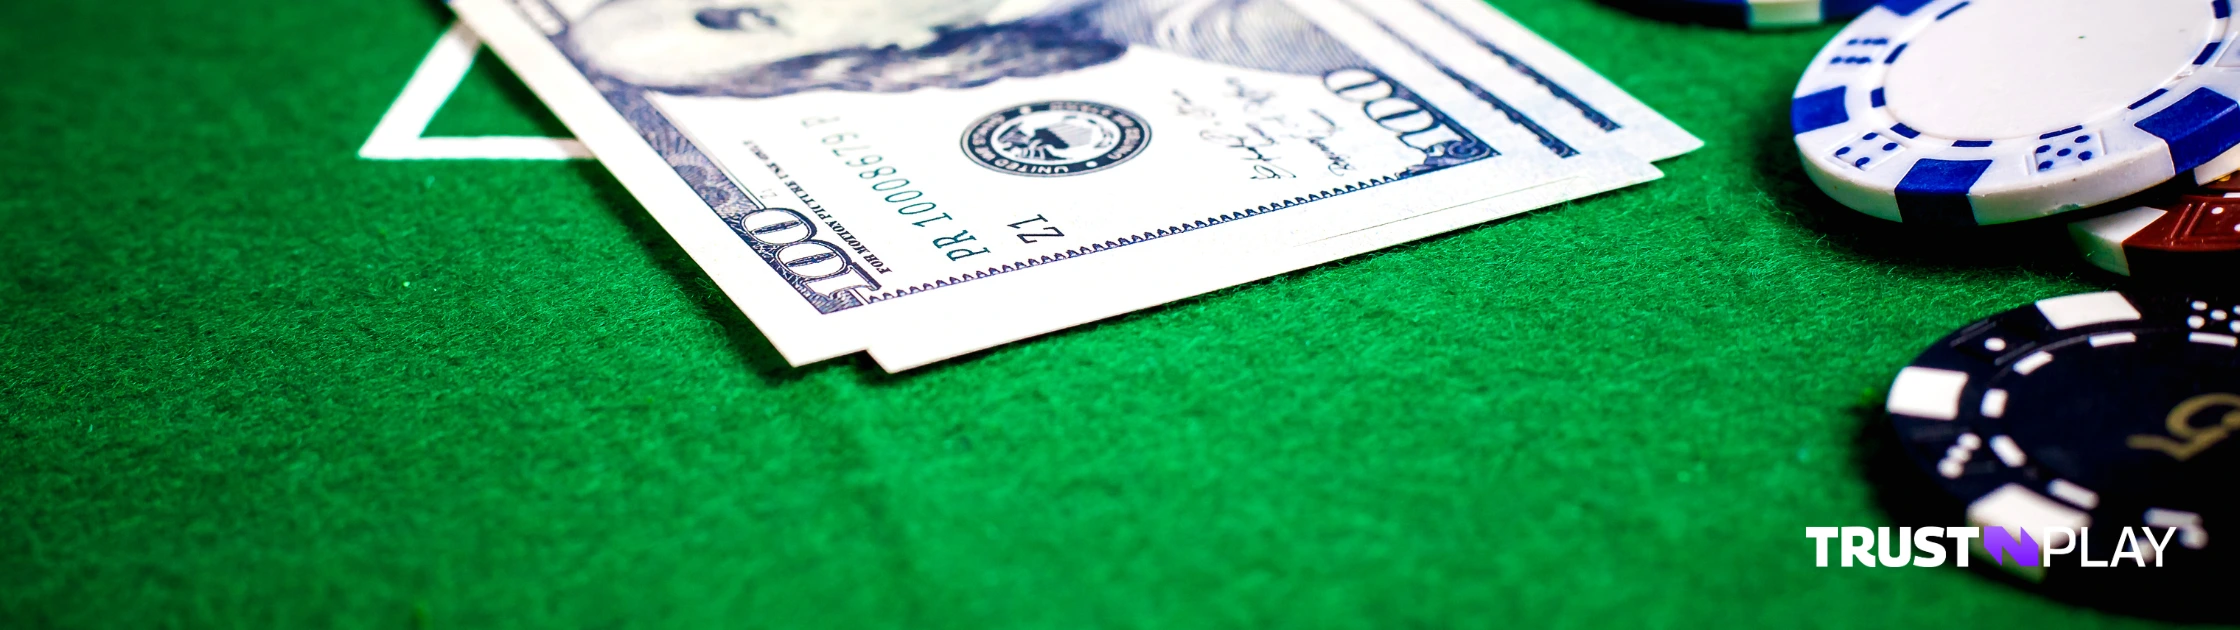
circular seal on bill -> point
(1056, 138)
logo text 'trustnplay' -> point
(1930, 546)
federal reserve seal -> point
(1056, 139)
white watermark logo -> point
(1930, 546)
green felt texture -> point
(253, 381)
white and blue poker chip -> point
(1764, 13)
(1974, 112)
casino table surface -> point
(255, 381)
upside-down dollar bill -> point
(924, 178)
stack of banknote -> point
(920, 179)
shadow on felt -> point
(1730, 16)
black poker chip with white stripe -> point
(2100, 410)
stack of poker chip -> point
(1961, 113)
(2103, 414)
(2090, 422)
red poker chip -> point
(2193, 240)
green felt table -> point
(252, 380)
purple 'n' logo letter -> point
(2023, 552)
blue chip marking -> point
(1818, 111)
(1943, 177)
(1905, 7)
(1971, 144)
(1936, 191)
(2198, 128)
(1903, 130)
(1836, 8)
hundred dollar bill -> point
(1588, 96)
(1472, 39)
(934, 176)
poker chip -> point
(1972, 112)
(2101, 411)
(2193, 240)
(2224, 186)
(1759, 13)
